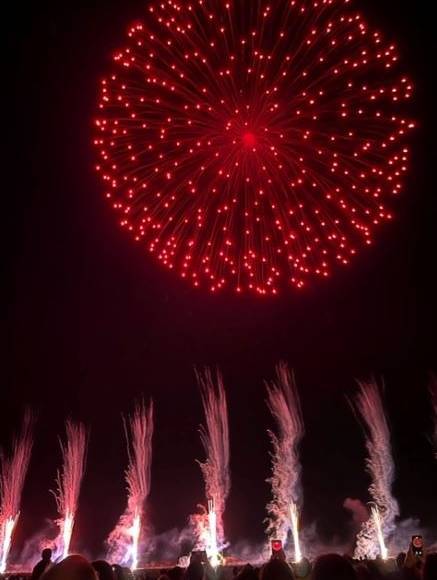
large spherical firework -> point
(250, 144)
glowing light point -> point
(249, 140)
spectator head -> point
(276, 570)
(176, 573)
(400, 559)
(194, 571)
(72, 568)
(247, 573)
(46, 555)
(104, 570)
(333, 566)
(302, 569)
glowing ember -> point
(294, 514)
(124, 540)
(376, 517)
(253, 149)
(381, 468)
(283, 402)
(69, 482)
(215, 439)
(13, 475)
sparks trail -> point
(382, 471)
(124, 540)
(283, 509)
(69, 482)
(215, 439)
(253, 149)
(13, 470)
(377, 523)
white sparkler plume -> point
(381, 468)
(13, 471)
(294, 514)
(212, 550)
(214, 434)
(283, 509)
(376, 517)
(124, 540)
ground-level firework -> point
(13, 470)
(283, 509)
(377, 523)
(380, 465)
(129, 536)
(124, 540)
(210, 533)
(69, 482)
(253, 145)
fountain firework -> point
(13, 475)
(124, 540)
(283, 509)
(376, 518)
(215, 470)
(294, 514)
(69, 481)
(380, 466)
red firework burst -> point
(252, 145)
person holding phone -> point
(415, 557)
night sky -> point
(91, 323)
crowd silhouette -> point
(407, 566)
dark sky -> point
(90, 323)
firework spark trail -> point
(253, 149)
(124, 540)
(69, 482)
(381, 469)
(283, 402)
(376, 518)
(294, 514)
(215, 470)
(213, 547)
(13, 475)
